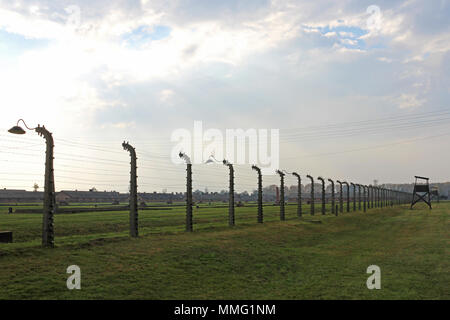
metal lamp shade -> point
(16, 130)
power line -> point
(368, 148)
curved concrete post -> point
(231, 194)
(312, 194)
(189, 217)
(134, 230)
(348, 195)
(364, 196)
(282, 213)
(333, 209)
(359, 196)
(299, 194)
(260, 217)
(323, 194)
(49, 208)
(354, 195)
(341, 200)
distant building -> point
(23, 196)
(160, 197)
(90, 196)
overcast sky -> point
(358, 89)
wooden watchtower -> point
(421, 191)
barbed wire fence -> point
(101, 164)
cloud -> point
(120, 125)
(330, 34)
(270, 64)
(166, 95)
(409, 101)
(384, 59)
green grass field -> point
(292, 259)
